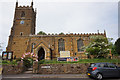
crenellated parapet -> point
(74, 34)
(24, 7)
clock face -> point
(22, 22)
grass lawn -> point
(65, 62)
(80, 61)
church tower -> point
(24, 20)
(23, 24)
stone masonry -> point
(23, 38)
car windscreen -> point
(92, 65)
(102, 65)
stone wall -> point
(49, 68)
(13, 69)
(62, 68)
(35, 67)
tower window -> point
(21, 33)
(80, 45)
(23, 14)
(22, 22)
(61, 45)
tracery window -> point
(61, 45)
(23, 14)
(80, 45)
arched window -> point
(23, 14)
(21, 33)
(61, 45)
(80, 44)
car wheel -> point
(99, 76)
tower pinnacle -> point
(16, 3)
(104, 32)
(32, 3)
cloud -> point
(61, 1)
(6, 21)
(56, 17)
(76, 17)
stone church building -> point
(23, 39)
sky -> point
(68, 16)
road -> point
(52, 79)
(48, 77)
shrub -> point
(28, 62)
(4, 61)
(80, 61)
(31, 61)
(14, 62)
(27, 59)
(18, 59)
(41, 62)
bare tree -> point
(1, 48)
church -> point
(23, 39)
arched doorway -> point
(51, 55)
(41, 54)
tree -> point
(1, 49)
(61, 33)
(98, 47)
(41, 33)
(117, 46)
(113, 50)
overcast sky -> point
(68, 16)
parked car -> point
(102, 70)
